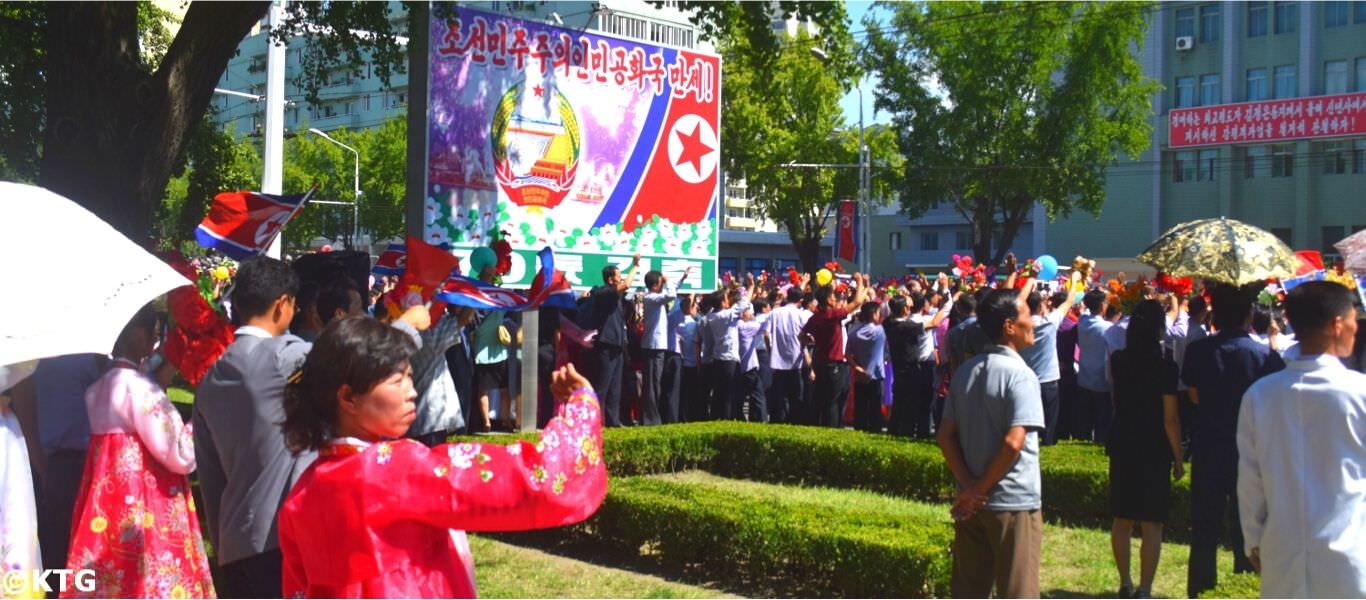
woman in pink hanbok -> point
(135, 522)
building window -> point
(1255, 162)
(1205, 169)
(365, 102)
(1256, 19)
(1209, 89)
(1335, 14)
(1209, 23)
(1283, 160)
(1185, 92)
(337, 78)
(1359, 12)
(1335, 77)
(894, 240)
(1285, 81)
(1185, 23)
(929, 240)
(1183, 167)
(1359, 157)
(728, 264)
(1331, 235)
(1284, 233)
(756, 266)
(1361, 73)
(1256, 85)
(962, 240)
(1287, 13)
(1334, 158)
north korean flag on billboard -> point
(242, 224)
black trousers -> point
(752, 389)
(652, 378)
(56, 502)
(607, 381)
(722, 383)
(545, 401)
(919, 381)
(692, 391)
(1214, 497)
(670, 388)
(785, 403)
(832, 391)
(1049, 393)
(868, 406)
(1094, 415)
(462, 373)
(258, 576)
(1068, 392)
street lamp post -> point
(355, 204)
(865, 203)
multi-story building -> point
(1301, 184)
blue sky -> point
(857, 9)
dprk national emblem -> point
(536, 145)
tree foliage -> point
(215, 161)
(21, 89)
(311, 160)
(999, 105)
(785, 112)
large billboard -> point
(1268, 121)
(596, 146)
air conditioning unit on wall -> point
(1185, 42)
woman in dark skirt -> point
(1145, 437)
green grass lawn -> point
(503, 570)
(180, 395)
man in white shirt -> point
(785, 358)
(1301, 448)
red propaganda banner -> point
(846, 232)
(1268, 121)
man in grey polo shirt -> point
(989, 437)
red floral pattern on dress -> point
(136, 526)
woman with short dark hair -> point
(1144, 444)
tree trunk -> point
(114, 131)
(1010, 229)
(983, 222)
(809, 252)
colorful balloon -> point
(823, 277)
(1048, 267)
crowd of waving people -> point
(319, 436)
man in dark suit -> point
(605, 315)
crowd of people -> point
(319, 434)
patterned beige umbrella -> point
(1222, 250)
(1353, 250)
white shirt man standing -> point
(1301, 450)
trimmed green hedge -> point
(829, 542)
(1075, 475)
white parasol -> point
(71, 281)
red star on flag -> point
(693, 148)
(540, 91)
